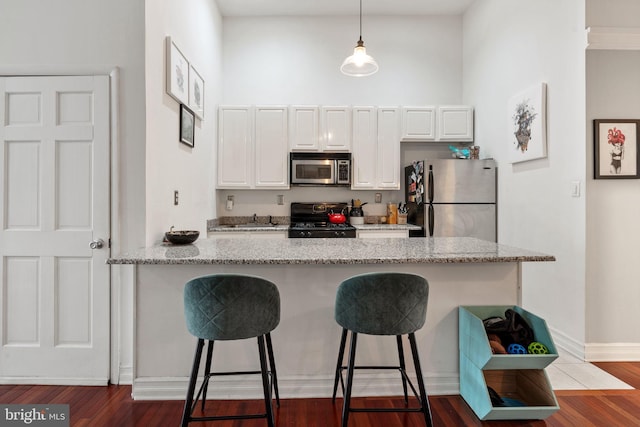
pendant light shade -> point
(359, 64)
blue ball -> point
(516, 349)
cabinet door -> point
(419, 123)
(365, 148)
(455, 123)
(271, 147)
(335, 125)
(382, 234)
(388, 168)
(304, 130)
(235, 147)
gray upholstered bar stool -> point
(381, 304)
(223, 307)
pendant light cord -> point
(360, 19)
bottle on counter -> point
(392, 213)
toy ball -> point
(516, 349)
(538, 348)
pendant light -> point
(359, 64)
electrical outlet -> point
(280, 199)
(175, 197)
(378, 197)
(229, 205)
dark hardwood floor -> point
(113, 406)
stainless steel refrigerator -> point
(452, 198)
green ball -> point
(537, 348)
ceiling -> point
(341, 7)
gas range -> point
(309, 220)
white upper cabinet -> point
(364, 156)
(376, 148)
(271, 147)
(388, 169)
(235, 147)
(335, 128)
(444, 123)
(304, 134)
(455, 123)
(253, 147)
(419, 123)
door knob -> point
(96, 244)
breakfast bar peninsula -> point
(460, 271)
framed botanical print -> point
(196, 93)
(177, 73)
(615, 152)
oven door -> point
(313, 171)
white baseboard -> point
(158, 388)
(568, 344)
(616, 352)
(55, 381)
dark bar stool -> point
(223, 307)
(381, 304)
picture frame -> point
(615, 152)
(527, 137)
(177, 73)
(196, 92)
(187, 126)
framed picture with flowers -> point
(527, 127)
(615, 152)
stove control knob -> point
(302, 234)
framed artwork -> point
(196, 93)
(177, 73)
(615, 151)
(187, 126)
(527, 137)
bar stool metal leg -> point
(424, 400)
(402, 368)
(346, 407)
(266, 384)
(272, 366)
(207, 373)
(186, 414)
(338, 377)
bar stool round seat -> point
(224, 307)
(382, 304)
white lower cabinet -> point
(381, 234)
(376, 148)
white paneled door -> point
(54, 194)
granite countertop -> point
(418, 250)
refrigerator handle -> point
(430, 184)
(431, 219)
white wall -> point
(613, 208)
(296, 60)
(287, 60)
(88, 36)
(171, 165)
(509, 46)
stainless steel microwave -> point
(320, 169)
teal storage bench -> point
(520, 377)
